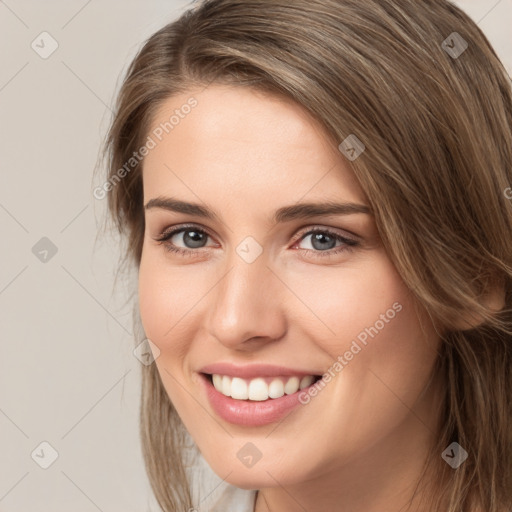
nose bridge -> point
(246, 302)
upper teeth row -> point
(258, 389)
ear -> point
(494, 300)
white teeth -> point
(276, 389)
(226, 385)
(217, 381)
(260, 388)
(306, 381)
(292, 385)
(239, 389)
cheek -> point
(385, 360)
(163, 301)
(166, 297)
(350, 298)
(153, 299)
(162, 304)
(370, 318)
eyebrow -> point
(284, 214)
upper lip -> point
(251, 371)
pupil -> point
(195, 240)
(319, 237)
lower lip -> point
(248, 412)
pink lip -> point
(249, 412)
(253, 370)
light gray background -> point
(67, 372)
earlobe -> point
(494, 300)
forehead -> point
(243, 144)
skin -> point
(359, 445)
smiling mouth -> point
(260, 388)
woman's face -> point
(265, 304)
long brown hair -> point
(421, 86)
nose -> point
(247, 306)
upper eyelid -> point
(178, 229)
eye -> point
(323, 242)
(191, 236)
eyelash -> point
(350, 243)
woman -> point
(313, 194)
